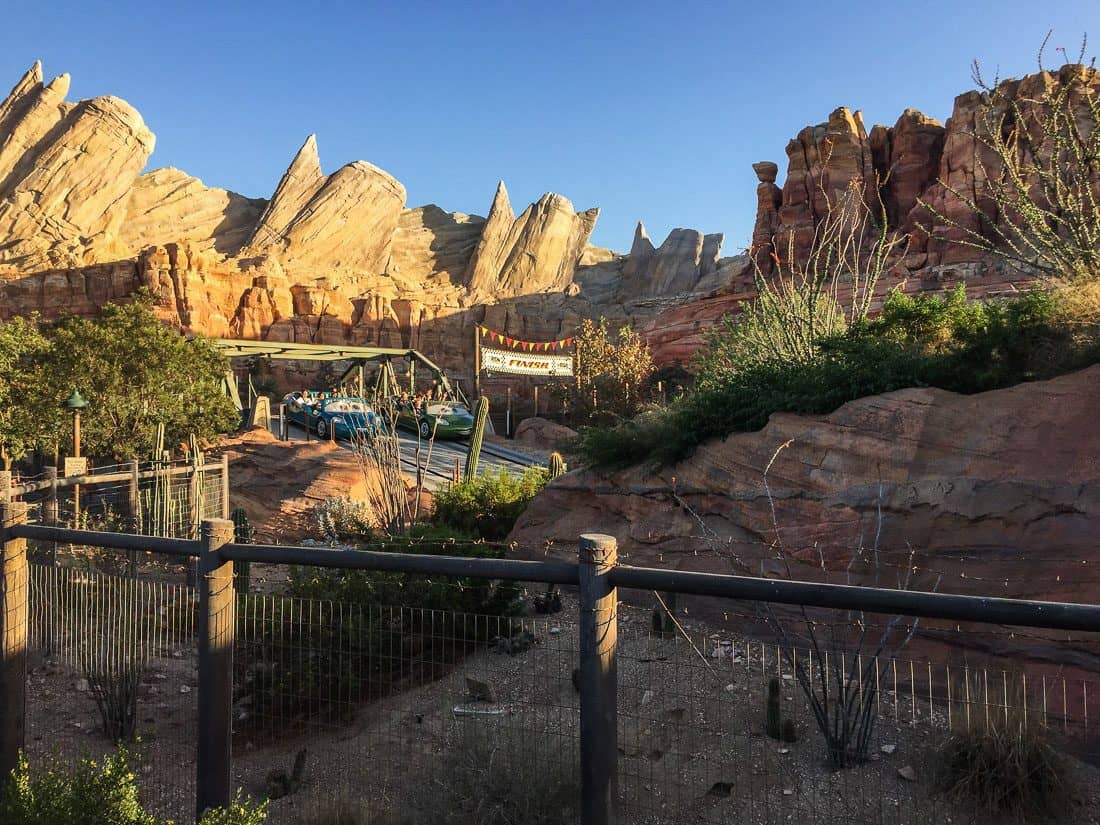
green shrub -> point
(95, 793)
(489, 505)
(917, 341)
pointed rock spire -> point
(301, 181)
(31, 80)
(483, 271)
(641, 250)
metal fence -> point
(619, 706)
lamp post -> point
(75, 403)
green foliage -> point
(918, 341)
(241, 811)
(29, 417)
(342, 518)
(133, 370)
(489, 505)
(95, 793)
(473, 452)
(611, 373)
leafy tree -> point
(28, 414)
(610, 372)
(136, 372)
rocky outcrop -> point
(167, 205)
(997, 487)
(65, 174)
(678, 266)
(536, 252)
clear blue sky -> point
(651, 111)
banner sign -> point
(489, 335)
(525, 363)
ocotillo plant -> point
(481, 416)
(556, 466)
(243, 533)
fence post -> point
(598, 681)
(13, 637)
(5, 485)
(216, 628)
(50, 510)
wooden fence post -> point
(5, 485)
(13, 636)
(50, 509)
(216, 628)
(598, 681)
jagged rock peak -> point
(299, 183)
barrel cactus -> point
(556, 466)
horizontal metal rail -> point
(114, 541)
(981, 609)
(551, 572)
(956, 607)
(106, 478)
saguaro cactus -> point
(243, 533)
(481, 416)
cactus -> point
(670, 604)
(556, 466)
(481, 415)
(788, 733)
(773, 722)
(243, 532)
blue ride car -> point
(336, 416)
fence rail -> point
(596, 573)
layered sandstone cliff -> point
(341, 257)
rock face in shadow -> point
(676, 267)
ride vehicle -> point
(332, 416)
(444, 419)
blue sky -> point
(651, 111)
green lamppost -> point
(75, 403)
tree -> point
(610, 371)
(1037, 171)
(135, 373)
(28, 414)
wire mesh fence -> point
(407, 714)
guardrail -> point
(597, 574)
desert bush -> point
(489, 505)
(1038, 162)
(95, 793)
(341, 518)
(612, 369)
(917, 341)
(1003, 761)
(488, 777)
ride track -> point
(439, 470)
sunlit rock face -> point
(341, 257)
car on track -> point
(332, 416)
(446, 419)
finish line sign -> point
(525, 363)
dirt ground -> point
(691, 739)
